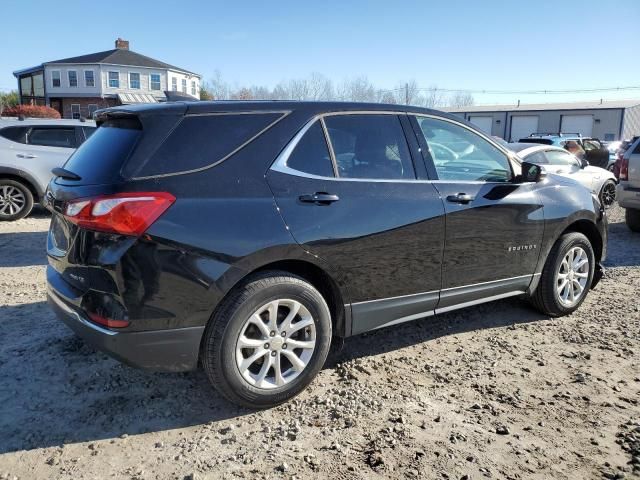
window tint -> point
(53, 137)
(538, 158)
(100, 158)
(370, 146)
(15, 134)
(556, 157)
(460, 154)
(311, 154)
(200, 141)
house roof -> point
(119, 56)
(591, 105)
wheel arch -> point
(25, 179)
(589, 230)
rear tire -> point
(632, 218)
(608, 193)
(16, 200)
(566, 276)
(267, 340)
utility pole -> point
(406, 93)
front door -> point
(494, 227)
(360, 208)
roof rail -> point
(555, 134)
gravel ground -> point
(494, 391)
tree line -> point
(318, 87)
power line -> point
(514, 92)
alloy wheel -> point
(573, 276)
(12, 200)
(608, 195)
(275, 344)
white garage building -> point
(606, 120)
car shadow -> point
(57, 389)
(28, 249)
(620, 235)
(504, 313)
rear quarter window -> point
(201, 141)
(15, 134)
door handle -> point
(460, 198)
(319, 198)
(22, 155)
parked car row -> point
(244, 236)
(29, 150)
(629, 188)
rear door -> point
(47, 147)
(348, 191)
(494, 226)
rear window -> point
(201, 141)
(100, 158)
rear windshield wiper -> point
(62, 173)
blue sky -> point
(452, 44)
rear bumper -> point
(173, 350)
(628, 197)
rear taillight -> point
(123, 213)
(624, 169)
(107, 322)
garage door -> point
(523, 126)
(483, 123)
(582, 124)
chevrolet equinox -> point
(246, 235)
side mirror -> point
(532, 172)
(584, 163)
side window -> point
(88, 131)
(53, 137)
(200, 141)
(15, 134)
(556, 157)
(460, 154)
(537, 157)
(311, 154)
(370, 147)
(591, 145)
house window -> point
(174, 84)
(193, 88)
(92, 109)
(114, 80)
(75, 110)
(184, 85)
(134, 80)
(55, 78)
(73, 78)
(89, 79)
(155, 81)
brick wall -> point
(84, 105)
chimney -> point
(122, 44)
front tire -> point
(632, 219)
(268, 340)
(566, 276)
(608, 193)
(16, 200)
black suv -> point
(246, 235)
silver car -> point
(629, 188)
(29, 150)
(559, 161)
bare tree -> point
(358, 89)
(434, 97)
(217, 87)
(461, 99)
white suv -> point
(629, 188)
(29, 150)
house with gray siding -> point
(605, 120)
(78, 86)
